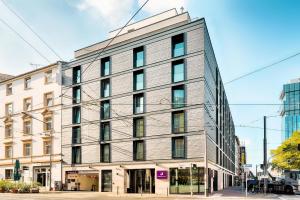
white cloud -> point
(112, 12)
(156, 6)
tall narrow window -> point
(48, 99)
(178, 45)
(76, 115)
(138, 103)
(138, 79)
(138, 57)
(76, 135)
(178, 122)
(178, 147)
(48, 77)
(9, 174)
(106, 181)
(178, 71)
(105, 66)
(105, 131)
(105, 88)
(27, 104)
(48, 125)
(138, 127)
(77, 75)
(27, 127)
(178, 96)
(47, 147)
(8, 151)
(27, 149)
(77, 94)
(9, 89)
(8, 130)
(138, 150)
(105, 153)
(76, 155)
(27, 83)
(105, 109)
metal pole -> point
(265, 154)
(191, 180)
(246, 185)
(206, 166)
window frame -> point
(102, 110)
(74, 92)
(103, 61)
(174, 104)
(102, 136)
(173, 43)
(173, 119)
(74, 110)
(178, 62)
(135, 127)
(135, 143)
(102, 146)
(9, 89)
(135, 96)
(74, 73)
(135, 53)
(184, 147)
(76, 140)
(73, 159)
(135, 74)
(104, 82)
(27, 83)
(25, 149)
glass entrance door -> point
(140, 181)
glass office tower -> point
(290, 97)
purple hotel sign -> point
(162, 174)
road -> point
(227, 194)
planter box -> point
(35, 190)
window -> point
(76, 115)
(138, 80)
(178, 45)
(76, 155)
(178, 96)
(9, 89)
(47, 147)
(76, 135)
(77, 75)
(9, 109)
(105, 153)
(105, 66)
(105, 88)
(105, 110)
(138, 127)
(105, 131)
(138, 57)
(27, 83)
(48, 99)
(138, 150)
(27, 149)
(8, 151)
(178, 147)
(76, 94)
(178, 71)
(48, 77)
(27, 104)
(8, 130)
(9, 174)
(178, 122)
(27, 127)
(138, 103)
(48, 125)
(106, 181)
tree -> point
(287, 155)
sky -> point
(246, 35)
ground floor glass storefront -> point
(180, 180)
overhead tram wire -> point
(100, 53)
(31, 29)
(262, 68)
(18, 34)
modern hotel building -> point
(30, 123)
(290, 97)
(147, 112)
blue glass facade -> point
(291, 109)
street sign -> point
(247, 165)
